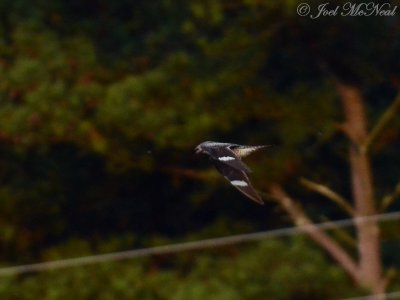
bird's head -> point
(202, 148)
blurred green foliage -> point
(286, 269)
(102, 103)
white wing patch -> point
(239, 183)
(226, 158)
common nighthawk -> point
(227, 159)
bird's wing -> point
(239, 180)
(228, 157)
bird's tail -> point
(243, 151)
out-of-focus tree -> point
(221, 274)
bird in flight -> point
(227, 159)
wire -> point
(187, 246)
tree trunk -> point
(366, 268)
(355, 126)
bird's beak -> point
(198, 150)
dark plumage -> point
(227, 160)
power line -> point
(187, 246)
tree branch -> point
(389, 199)
(300, 218)
(354, 125)
(328, 193)
(342, 234)
(386, 118)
